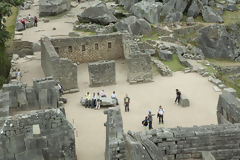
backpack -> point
(145, 122)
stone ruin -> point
(39, 135)
(53, 7)
(102, 73)
(43, 94)
(61, 69)
(59, 54)
(43, 134)
(210, 142)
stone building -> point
(59, 54)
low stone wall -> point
(22, 48)
(4, 104)
(44, 94)
(53, 7)
(115, 144)
(228, 109)
(90, 48)
(188, 143)
(61, 69)
(36, 136)
(102, 73)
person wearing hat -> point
(150, 115)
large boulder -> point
(149, 10)
(97, 13)
(215, 42)
(127, 4)
(173, 6)
(209, 15)
(173, 17)
(195, 8)
(134, 26)
(53, 7)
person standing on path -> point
(150, 115)
(126, 103)
(114, 97)
(160, 114)
(19, 75)
(178, 97)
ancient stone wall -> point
(102, 73)
(39, 135)
(44, 94)
(115, 145)
(61, 69)
(53, 7)
(139, 64)
(22, 48)
(90, 48)
(228, 109)
(4, 104)
(188, 143)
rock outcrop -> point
(98, 13)
(134, 26)
(53, 7)
(215, 42)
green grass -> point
(174, 64)
(153, 36)
(5, 63)
(231, 17)
(230, 83)
(223, 62)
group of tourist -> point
(23, 20)
(148, 119)
(94, 100)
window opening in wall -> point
(109, 45)
(57, 49)
(69, 48)
(83, 48)
(96, 46)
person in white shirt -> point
(114, 97)
(60, 89)
(98, 101)
(102, 94)
(160, 114)
(19, 75)
(93, 100)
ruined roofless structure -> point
(211, 142)
(59, 56)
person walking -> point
(87, 100)
(150, 119)
(24, 23)
(126, 103)
(114, 97)
(98, 101)
(178, 97)
(35, 21)
(93, 102)
(160, 114)
(19, 75)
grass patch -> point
(230, 83)
(174, 64)
(223, 62)
(5, 63)
(231, 17)
(153, 36)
